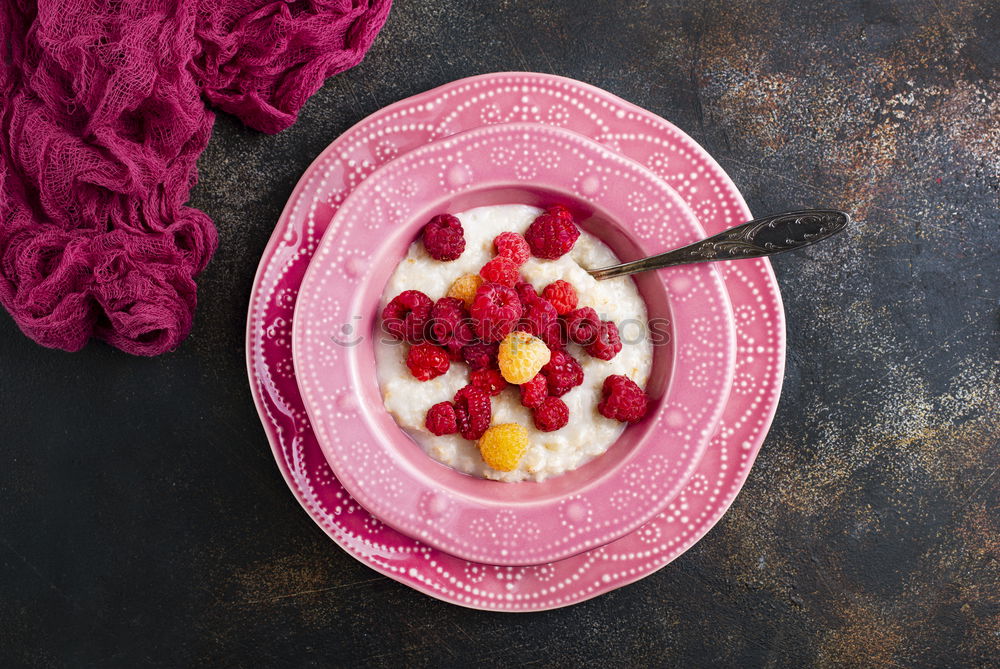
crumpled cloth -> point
(103, 112)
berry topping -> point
(522, 356)
(562, 295)
(472, 411)
(562, 373)
(480, 356)
(551, 236)
(512, 246)
(495, 310)
(607, 343)
(539, 318)
(441, 419)
(427, 361)
(444, 237)
(465, 288)
(449, 326)
(490, 381)
(582, 325)
(503, 446)
(508, 334)
(622, 399)
(500, 270)
(551, 415)
(533, 392)
(406, 315)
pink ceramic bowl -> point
(615, 199)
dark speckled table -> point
(143, 520)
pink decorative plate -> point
(620, 125)
(622, 203)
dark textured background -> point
(143, 520)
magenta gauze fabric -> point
(103, 112)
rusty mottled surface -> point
(143, 521)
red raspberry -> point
(540, 319)
(441, 419)
(464, 335)
(607, 344)
(563, 373)
(496, 310)
(525, 290)
(449, 326)
(534, 391)
(551, 415)
(582, 326)
(444, 237)
(562, 295)
(622, 399)
(490, 381)
(427, 361)
(406, 316)
(526, 293)
(551, 236)
(480, 356)
(512, 246)
(559, 210)
(472, 411)
(500, 270)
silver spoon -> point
(754, 239)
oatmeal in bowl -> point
(500, 355)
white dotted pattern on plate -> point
(634, 132)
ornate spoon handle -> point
(759, 237)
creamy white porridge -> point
(588, 433)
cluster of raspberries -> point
(480, 311)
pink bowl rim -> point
(449, 536)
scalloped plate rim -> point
(338, 535)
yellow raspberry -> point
(465, 288)
(503, 446)
(521, 356)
